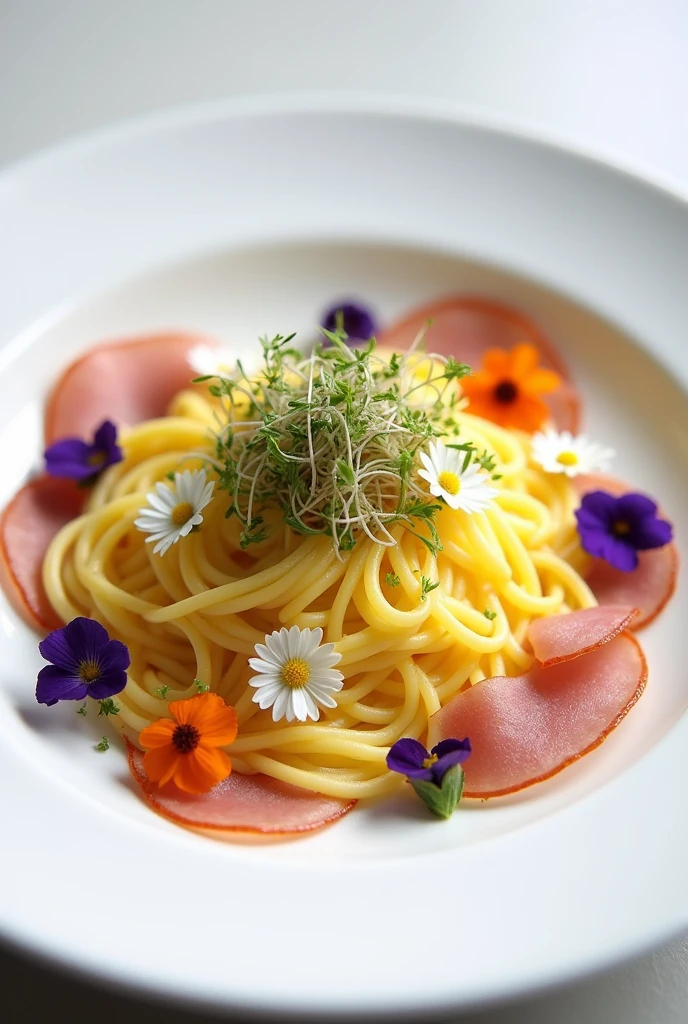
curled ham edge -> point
(613, 635)
(292, 810)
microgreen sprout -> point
(426, 586)
(392, 580)
(201, 686)
(162, 691)
(332, 440)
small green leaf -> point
(108, 707)
(441, 800)
(392, 580)
(81, 710)
(201, 686)
(426, 587)
(162, 692)
(103, 745)
(490, 615)
(345, 473)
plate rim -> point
(353, 104)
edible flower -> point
(462, 486)
(616, 529)
(174, 512)
(85, 663)
(436, 775)
(295, 674)
(76, 459)
(564, 453)
(185, 749)
(356, 320)
(507, 388)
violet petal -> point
(108, 685)
(358, 320)
(406, 756)
(54, 684)
(651, 533)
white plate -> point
(248, 218)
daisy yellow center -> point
(89, 671)
(296, 672)
(449, 482)
(181, 513)
(428, 762)
(567, 459)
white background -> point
(610, 77)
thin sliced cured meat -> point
(649, 587)
(467, 326)
(242, 803)
(27, 526)
(125, 381)
(524, 729)
(560, 638)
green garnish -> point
(426, 586)
(162, 692)
(490, 615)
(103, 745)
(81, 710)
(392, 580)
(332, 441)
(201, 686)
(108, 707)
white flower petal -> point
(190, 486)
(311, 707)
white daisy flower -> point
(295, 674)
(564, 453)
(209, 361)
(466, 489)
(172, 513)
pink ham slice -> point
(466, 327)
(242, 803)
(524, 729)
(27, 526)
(649, 587)
(560, 638)
(126, 381)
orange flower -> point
(508, 386)
(185, 750)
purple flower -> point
(358, 321)
(85, 663)
(71, 457)
(410, 758)
(616, 529)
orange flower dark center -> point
(186, 738)
(506, 392)
(89, 671)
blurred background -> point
(609, 77)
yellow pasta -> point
(406, 650)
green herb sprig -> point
(332, 441)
